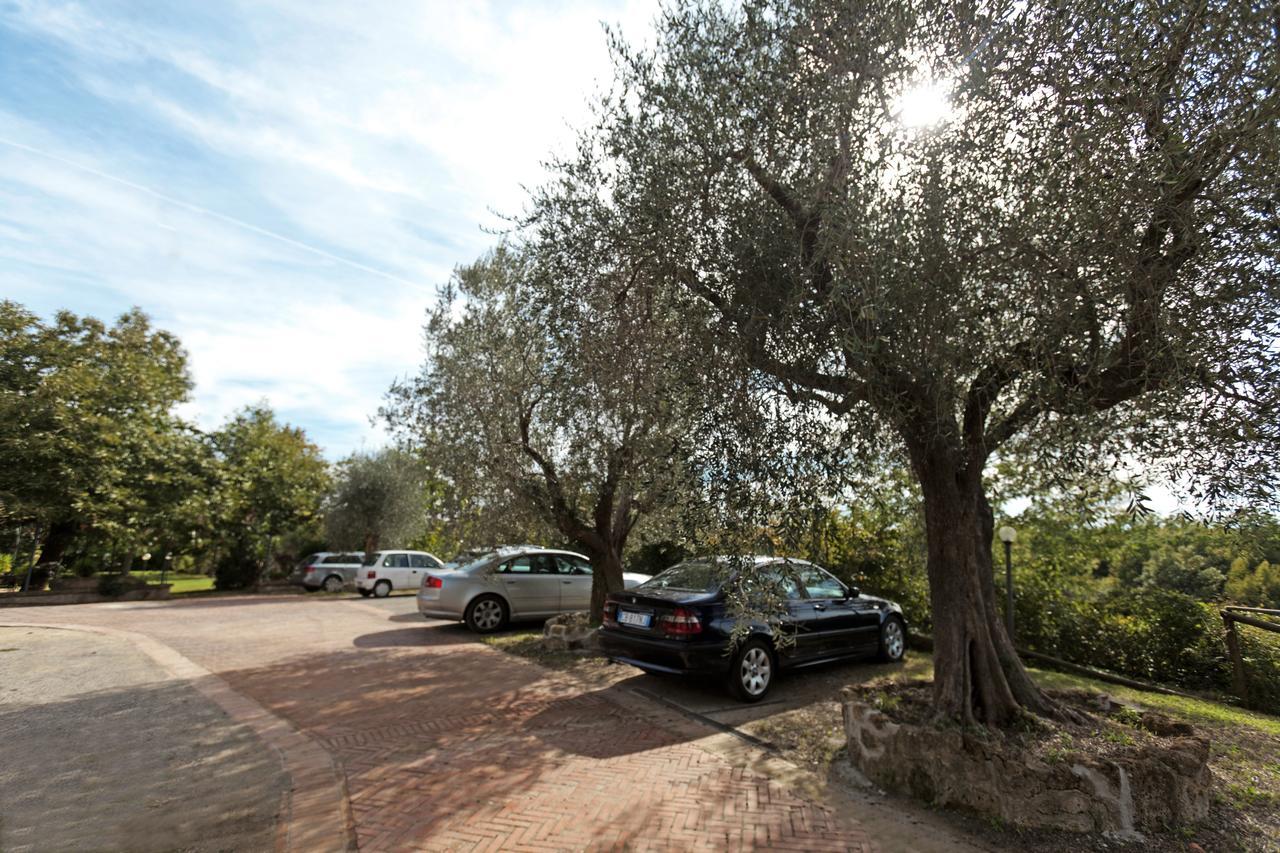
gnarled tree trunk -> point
(608, 578)
(978, 676)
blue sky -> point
(282, 183)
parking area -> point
(444, 743)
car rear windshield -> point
(695, 577)
(477, 562)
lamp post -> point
(1007, 535)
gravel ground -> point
(101, 750)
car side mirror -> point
(852, 592)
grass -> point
(1203, 712)
(181, 583)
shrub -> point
(110, 585)
(1261, 653)
(1149, 633)
(238, 568)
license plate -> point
(630, 617)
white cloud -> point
(384, 135)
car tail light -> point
(433, 582)
(311, 570)
(611, 614)
(682, 623)
(371, 574)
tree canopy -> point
(1076, 264)
(378, 500)
(559, 393)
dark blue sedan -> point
(679, 623)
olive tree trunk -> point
(607, 578)
(978, 676)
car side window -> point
(819, 584)
(419, 561)
(518, 566)
(396, 561)
(544, 564)
(784, 583)
(567, 565)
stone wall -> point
(1147, 787)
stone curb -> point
(317, 811)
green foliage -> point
(1254, 587)
(111, 585)
(653, 557)
(87, 430)
(379, 499)
(271, 481)
(1260, 651)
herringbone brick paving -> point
(449, 745)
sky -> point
(283, 184)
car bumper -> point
(674, 657)
(436, 609)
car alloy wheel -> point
(756, 671)
(333, 583)
(382, 589)
(893, 640)
(486, 614)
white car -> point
(384, 571)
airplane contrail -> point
(195, 208)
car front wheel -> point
(382, 589)
(486, 614)
(893, 640)
(752, 672)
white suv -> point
(384, 571)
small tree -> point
(541, 396)
(1078, 263)
(378, 499)
(271, 481)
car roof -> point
(756, 560)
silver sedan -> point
(516, 584)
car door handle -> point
(566, 581)
(819, 607)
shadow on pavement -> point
(150, 767)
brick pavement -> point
(447, 744)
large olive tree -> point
(1076, 260)
(557, 387)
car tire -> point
(753, 671)
(382, 589)
(487, 614)
(893, 640)
(333, 583)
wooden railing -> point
(1231, 614)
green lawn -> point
(182, 583)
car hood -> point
(881, 603)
